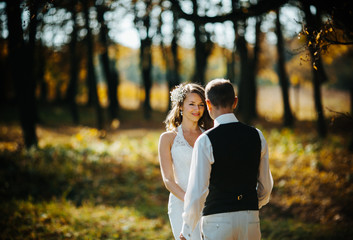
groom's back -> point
(237, 151)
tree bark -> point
(145, 55)
(32, 49)
(202, 48)
(198, 72)
(22, 74)
(253, 71)
(112, 81)
(146, 67)
(243, 86)
(175, 79)
(319, 75)
(174, 48)
(351, 96)
(91, 75)
(171, 57)
(74, 63)
(231, 66)
(40, 73)
(288, 119)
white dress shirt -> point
(202, 159)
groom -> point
(230, 179)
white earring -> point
(181, 112)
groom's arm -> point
(197, 189)
(265, 181)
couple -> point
(218, 177)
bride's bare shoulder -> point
(168, 136)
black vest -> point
(233, 180)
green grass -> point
(86, 188)
(81, 185)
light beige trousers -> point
(240, 225)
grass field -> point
(82, 183)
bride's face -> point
(193, 107)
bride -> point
(187, 119)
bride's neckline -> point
(182, 134)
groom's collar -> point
(225, 118)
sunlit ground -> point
(87, 184)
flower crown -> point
(178, 94)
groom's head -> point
(220, 96)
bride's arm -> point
(166, 164)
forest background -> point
(85, 89)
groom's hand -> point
(182, 237)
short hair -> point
(220, 92)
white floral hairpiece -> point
(178, 94)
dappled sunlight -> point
(85, 93)
(313, 177)
(84, 182)
(129, 146)
(61, 218)
(86, 186)
(81, 184)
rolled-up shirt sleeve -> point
(197, 190)
(265, 180)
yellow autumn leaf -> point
(318, 36)
(79, 137)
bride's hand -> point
(182, 237)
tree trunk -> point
(198, 72)
(253, 71)
(92, 80)
(350, 147)
(74, 63)
(171, 57)
(351, 97)
(202, 48)
(22, 74)
(243, 86)
(175, 79)
(231, 66)
(112, 81)
(146, 66)
(91, 89)
(169, 71)
(319, 75)
(33, 24)
(143, 25)
(283, 77)
(40, 73)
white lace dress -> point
(181, 154)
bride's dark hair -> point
(178, 95)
